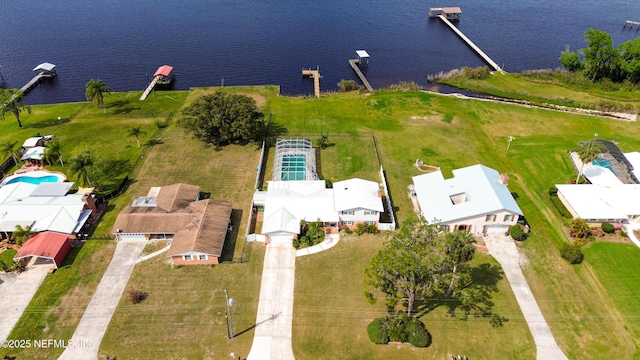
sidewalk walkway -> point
(330, 240)
(95, 320)
(17, 292)
(504, 250)
(272, 337)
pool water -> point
(294, 167)
(34, 180)
(605, 164)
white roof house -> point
(42, 207)
(472, 191)
(357, 194)
(31, 142)
(35, 153)
(289, 202)
(596, 203)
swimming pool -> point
(35, 177)
(294, 167)
(605, 164)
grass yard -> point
(616, 267)
(183, 316)
(7, 255)
(58, 305)
(331, 313)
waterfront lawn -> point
(58, 305)
(183, 314)
(331, 313)
(529, 88)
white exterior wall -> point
(479, 222)
(359, 216)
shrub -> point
(396, 326)
(377, 330)
(417, 334)
(608, 228)
(572, 253)
(557, 203)
(580, 228)
(135, 296)
(347, 85)
(366, 229)
(623, 233)
(517, 232)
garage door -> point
(132, 237)
(496, 228)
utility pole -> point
(229, 319)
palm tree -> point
(11, 100)
(588, 151)
(9, 148)
(136, 131)
(79, 165)
(21, 234)
(52, 149)
(95, 90)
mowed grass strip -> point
(183, 314)
(331, 313)
(58, 305)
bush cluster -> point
(366, 229)
(517, 232)
(481, 72)
(399, 328)
(572, 253)
(608, 228)
(135, 296)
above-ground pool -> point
(35, 177)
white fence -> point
(255, 237)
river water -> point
(250, 42)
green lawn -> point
(441, 131)
(7, 256)
(58, 305)
(331, 313)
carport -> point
(49, 246)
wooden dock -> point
(152, 85)
(315, 74)
(354, 65)
(632, 23)
(473, 46)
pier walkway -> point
(315, 74)
(150, 87)
(354, 64)
(484, 56)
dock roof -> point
(164, 70)
(362, 53)
(452, 10)
(45, 67)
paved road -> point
(272, 337)
(16, 293)
(95, 320)
(504, 250)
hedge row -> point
(399, 328)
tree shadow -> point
(228, 250)
(120, 107)
(474, 300)
(153, 142)
(274, 131)
(46, 123)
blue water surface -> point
(33, 180)
(253, 42)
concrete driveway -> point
(504, 250)
(16, 292)
(272, 337)
(95, 320)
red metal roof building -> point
(48, 245)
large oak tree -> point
(221, 118)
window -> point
(370, 212)
(347, 223)
(458, 198)
(490, 217)
(508, 217)
(187, 257)
(369, 222)
(202, 257)
(349, 212)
